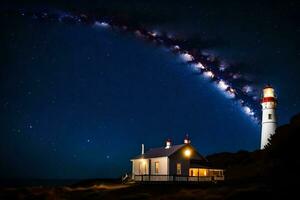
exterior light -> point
(143, 162)
(187, 153)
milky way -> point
(223, 75)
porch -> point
(176, 178)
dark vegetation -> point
(268, 174)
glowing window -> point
(202, 172)
(178, 168)
(156, 164)
(194, 172)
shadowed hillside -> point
(275, 166)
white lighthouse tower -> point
(268, 103)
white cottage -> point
(174, 163)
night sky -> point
(78, 100)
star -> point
(107, 157)
(132, 119)
(18, 130)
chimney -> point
(186, 139)
(168, 144)
(143, 149)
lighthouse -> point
(268, 103)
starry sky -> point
(77, 100)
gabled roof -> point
(160, 152)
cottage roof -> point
(160, 152)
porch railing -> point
(176, 178)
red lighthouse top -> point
(268, 94)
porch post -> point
(149, 170)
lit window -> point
(156, 164)
(194, 172)
(178, 167)
(270, 116)
(202, 172)
(191, 172)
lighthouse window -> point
(270, 116)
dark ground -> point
(106, 190)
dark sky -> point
(77, 101)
